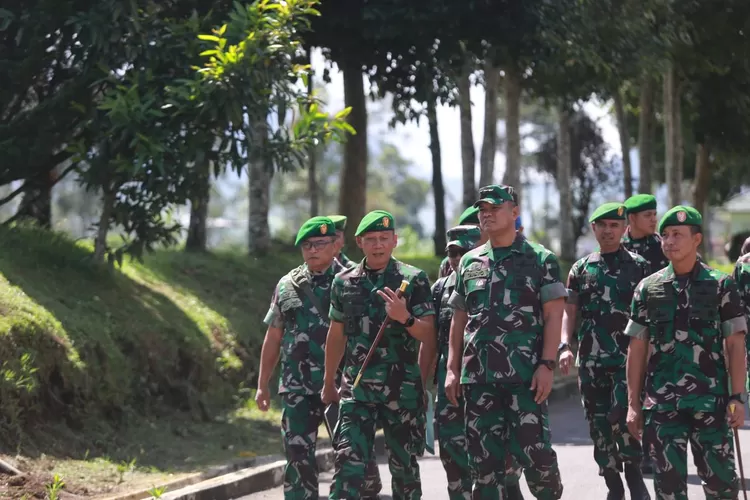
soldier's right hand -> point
(330, 394)
(566, 360)
(452, 387)
(635, 422)
(263, 398)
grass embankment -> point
(115, 379)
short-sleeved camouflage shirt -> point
(502, 290)
(305, 328)
(649, 248)
(686, 320)
(444, 287)
(393, 373)
(602, 288)
(741, 276)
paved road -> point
(575, 455)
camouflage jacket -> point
(345, 261)
(503, 290)
(393, 373)
(603, 295)
(305, 327)
(445, 268)
(741, 276)
(441, 292)
(649, 248)
(686, 323)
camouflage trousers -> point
(404, 430)
(301, 417)
(710, 440)
(451, 434)
(604, 395)
(502, 418)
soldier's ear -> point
(359, 241)
(698, 238)
(395, 239)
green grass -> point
(153, 362)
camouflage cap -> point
(496, 194)
(681, 216)
(339, 221)
(640, 203)
(466, 237)
(518, 223)
(470, 216)
(317, 226)
(613, 211)
(377, 220)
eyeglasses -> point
(317, 245)
(453, 253)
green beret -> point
(339, 221)
(465, 237)
(681, 216)
(377, 220)
(612, 210)
(640, 203)
(317, 226)
(470, 216)
(496, 194)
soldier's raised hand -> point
(395, 306)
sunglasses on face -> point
(455, 252)
(317, 245)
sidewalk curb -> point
(213, 485)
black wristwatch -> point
(741, 397)
(410, 322)
(563, 347)
(548, 363)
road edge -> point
(270, 475)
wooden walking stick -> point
(399, 294)
(739, 454)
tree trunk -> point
(489, 142)
(197, 236)
(312, 171)
(468, 154)
(646, 134)
(260, 173)
(701, 182)
(622, 126)
(102, 229)
(36, 204)
(512, 82)
(672, 137)
(438, 192)
(567, 239)
(353, 192)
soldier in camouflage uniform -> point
(340, 222)
(297, 329)
(641, 237)
(508, 305)
(601, 286)
(470, 217)
(449, 418)
(391, 390)
(689, 314)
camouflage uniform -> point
(445, 268)
(686, 321)
(301, 380)
(502, 290)
(390, 391)
(602, 288)
(345, 261)
(649, 248)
